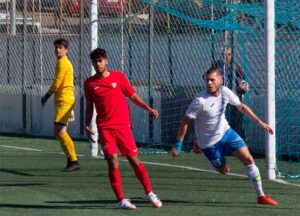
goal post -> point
(94, 145)
(270, 88)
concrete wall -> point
(39, 121)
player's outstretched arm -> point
(136, 99)
(246, 110)
(89, 110)
(176, 150)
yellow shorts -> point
(63, 112)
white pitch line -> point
(36, 150)
(191, 168)
(27, 149)
(279, 181)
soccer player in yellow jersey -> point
(64, 99)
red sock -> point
(142, 175)
(115, 182)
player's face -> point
(100, 65)
(213, 83)
(60, 50)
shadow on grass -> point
(89, 205)
(212, 204)
(112, 204)
(15, 172)
(83, 202)
(21, 185)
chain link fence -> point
(164, 47)
(28, 29)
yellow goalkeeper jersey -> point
(63, 83)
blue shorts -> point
(229, 143)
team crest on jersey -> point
(114, 85)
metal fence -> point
(163, 46)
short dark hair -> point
(61, 41)
(214, 69)
(98, 53)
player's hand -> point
(174, 152)
(89, 132)
(266, 127)
(196, 148)
(154, 113)
(72, 116)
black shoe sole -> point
(71, 169)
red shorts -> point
(112, 139)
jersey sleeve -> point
(233, 99)
(194, 109)
(60, 72)
(87, 91)
(126, 87)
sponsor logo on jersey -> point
(114, 85)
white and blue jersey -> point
(211, 127)
(208, 112)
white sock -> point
(94, 146)
(255, 179)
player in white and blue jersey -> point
(207, 111)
